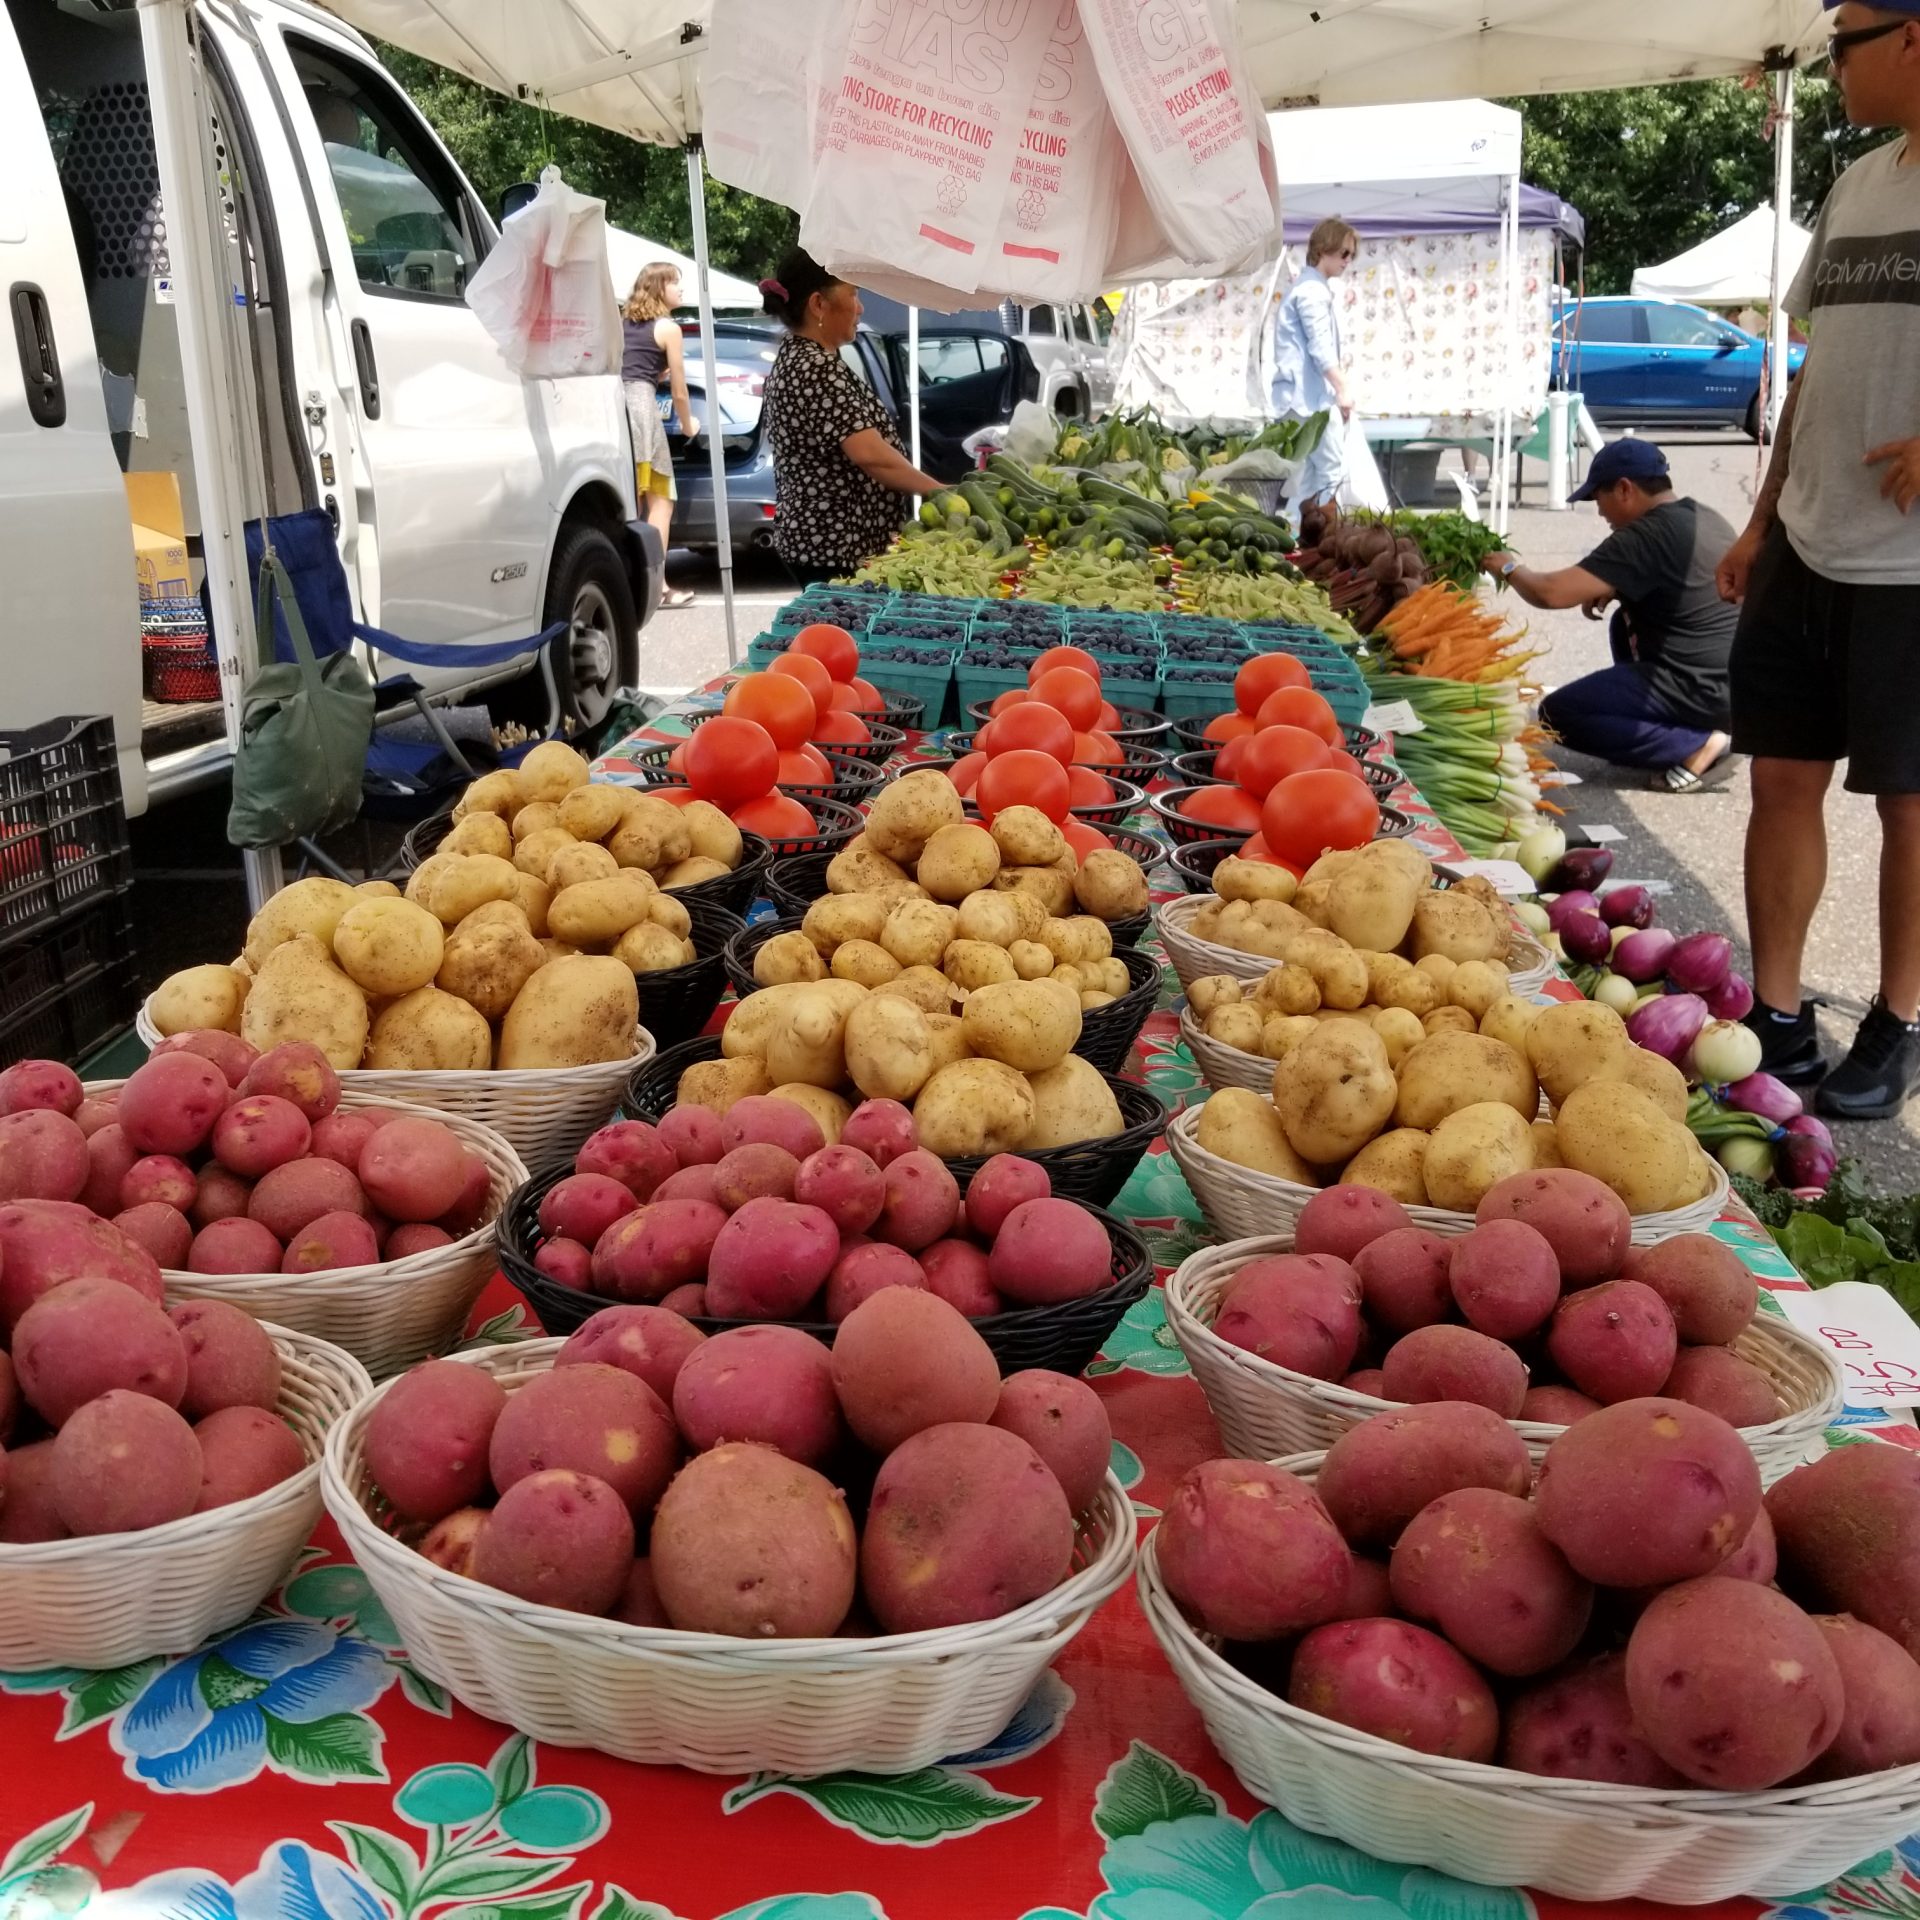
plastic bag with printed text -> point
(545, 294)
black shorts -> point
(1828, 670)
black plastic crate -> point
(63, 825)
(73, 988)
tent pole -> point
(209, 356)
(1782, 213)
(913, 388)
(710, 369)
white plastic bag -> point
(1032, 433)
(760, 100)
(544, 293)
(1361, 485)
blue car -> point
(1658, 361)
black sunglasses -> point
(1839, 45)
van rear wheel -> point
(600, 651)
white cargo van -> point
(470, 506)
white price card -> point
(1602, 836)
(1877, 1345)
(1507, 877)
(1393, 716)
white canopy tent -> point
(627, 253)
(1734, 268)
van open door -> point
(969, 378)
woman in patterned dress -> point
(841, 478)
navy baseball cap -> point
(1624, 460)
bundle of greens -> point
(1452, 547)
(1849, 1233)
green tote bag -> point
(304, 728)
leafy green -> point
(1452, 547)
(1849, 1233)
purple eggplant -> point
(1581, 867)
(1668, 1026)
(1732, 999)
(1585, 937)
(1700, 962)
(1814, 1129)
(1762, 1094)
(1569, 904)
(1627, 907)
(1804, 1163)
(1642, 957)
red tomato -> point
(1272, 754)
(1227, 761)
(1227, 726)
(1309, 813)
(1097, 750)
(1013, 697)
(677, 759)
(1221, 807)
(846, 699)
(1107, 720)
(674, 796)
(1031, 724)
(1076, 657)
(1024, 778)
(1084, 839)
(1339, 757)
(1257, 849)
(731, 761)
(965, 772)
(833, 647)
(1085, 788)
(778, 701)
(835, 728)
(804, 767)
(775, 815)
(872, 700)
(1074, 692)
(1265, 674)
(1300, 707)
(811, 675)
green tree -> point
(1655, 170)
(500, 142)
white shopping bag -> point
(762, 112)
(544, 294)
(1361, 485)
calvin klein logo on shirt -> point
(1875, 269)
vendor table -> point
(299, 1769)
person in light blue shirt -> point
(1309, 376)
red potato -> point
(1723, 1383)
(698, 1182)
(1734, 1686)
(1475, 1564)
(427, 1438)
(1371, 1381)
(959, 1272)
(1251, 1552)
(332, 1242)
(1614, 1342)
(29, 1514)
(882, 1129)
(1848, 1528)
(95, 1113)
(450, 1543)
(1006, 1181)
(295, 1195)
(905, 1360)
(1646, 1493)
(639, 1602)
(414, 1168)
(650, 1343)
(558, 1538)
(259, 1132)
(1707, 1289)
(122, 1463)
(583, 1206)
(1505, 1279)
(567, 1263)
(44, 1243)
(48, 1085)
(593, 1419)
(1880, 1688)
(1443, 1363)
(865, 1270)
(966, 1523)
(690, 1300)
(1378, 1475)
(415, 1236)
(1369, 1593)
(1065, 1422)
(1584, 1221)
(1300, 1311)
(1757, 1557)
(1578, 1724)
(760, 1171)
(244, 1451)
(761, 1120)
(1342, 1220)
(164, 1231)
(231, 1361)
(9, 1400)
(842, 1182)
(43, 1156)
(232, 1055)
(343, 1136)
(159, 1178)
(110, 1155)
(1397, 1682)
(1048, 1251)
(771, 1385)
(749, 1543)
(769, 1260)
(235, 1246)
(474, 1202)
(218, 1195)
(665, 1245)
(170, 1104)
(692, 1135)
(631, 1152)
(1405, 1279)
(297, 1071)
(923, 1200)
(89, 1337)
(1556, 1406)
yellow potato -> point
(974, 1107)
(947, 1039)
(859, 867)
(533, 852)
(838, 917)
(1394, 1164)
(1472, 1150)
(488, 962)
(719, 1083)
(1027, 838)
(480, 833)
(532, 895)
(957, 861)
(202, 997)
(1334, 1092)
(498, 793)
(1546, 1145)
(1449, 1020)
(977, 963)
(1237, 1024)
(830, 1112)
(1112, 885)
(376, 890)
(927, 987)
(1399, 1031)
(693, 870)
(1280, 1033)
(1370, 903)
(652, 948)
(1455, 925)
(866, 961)
(299, 994)
(713, 835)
(595, 913)
(918, 932)
(1448, 1071)
(908, 813)
(653, 835)
(574, 1012)
(313, 906)
(1575, 1041)
(1212, 990)
(1051, 888)
(1619, 1135)
(1287, 988)
(1476, 985)
(807, 1040)
(1071, 1102)
(1031, 961)
(552, 770)
(429, 1031)
(786, 958)
(583, 860)
(537, 816)
(1029, 1025)
(671, 914)
(1238, 879)
(390, 947)
(590, 812)
(889, 1048)
(1508, 1019)
(1238, 1125)
(1000, 919)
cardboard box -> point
(159, 536)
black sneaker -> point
(1789, 1044)
(1880, 1072)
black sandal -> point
(1683, 779)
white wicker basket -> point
(111, 1599)
(1221, 1065)
(707, 1701)
(1240, 1204)
(542, 1113)
(1264, 1409)
(391, 1314)
(1529, 965)
(1577, 1838)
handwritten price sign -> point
(1877, 1345)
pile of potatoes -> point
(1371, 1097)
(754, 1216)
(515, 945)
(779, 1489)
(1542, 1311)
(1614, 1620)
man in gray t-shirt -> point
(1826, 661)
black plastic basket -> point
(1394, 825)
(677, 1003)
(1195, 769)
(1381, 776)
(1192, 733)
(1140, 728)
(795, 883)
(63, 823)
(1107, 1033)
(1106, 814)
(906, 711)
(72, 987)
(424, 837)
(1091, 1170)
(1062, 1338)
(1359, 741)
(1182, 828)
(746, 942)
(1195, 862)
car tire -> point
(1755, 428)
(588, 588)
